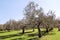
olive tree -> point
(34, 15)
(39, 19)
(7, 25)
(10, 25)
(1, 27)
(23, 25)
(29, 13)
(50, 21)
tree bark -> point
(39, 31)
(51, 29)
(47, 30)
(23, 30)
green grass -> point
(53, 35)
(29, 35)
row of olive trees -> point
(37, 17)
(15, 25)
(34, 17)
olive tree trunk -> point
(39, 31)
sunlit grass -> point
(53, 35)
(29, 35)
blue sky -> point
(13, 9)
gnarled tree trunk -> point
(39, 31)
(47, 30)
(23, 30)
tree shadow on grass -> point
(32, 35)
(9, 36)
(43, 33)
(49, 33)
(34, 38)
(18, 39)
(29, 32)
(2, 32)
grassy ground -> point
(53, 35)
(29, 35)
